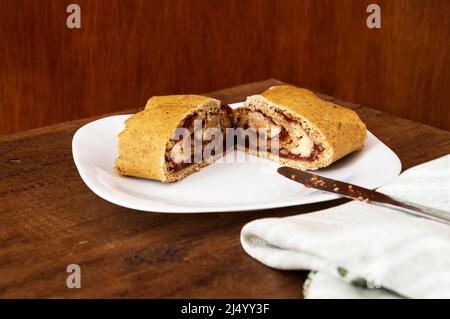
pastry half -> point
(310, 132)
(158, 142)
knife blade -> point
(363, 194)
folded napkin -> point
(357, 250)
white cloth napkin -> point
(357, 250)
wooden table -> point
(49, 219)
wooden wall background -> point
(130, 50)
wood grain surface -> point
(49, 219)
(127, 51)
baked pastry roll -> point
(167, 140)
(310, 132)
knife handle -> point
(417, 210)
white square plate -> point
(221, 186)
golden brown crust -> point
(338, 129)
(186, 102)
(142, 145)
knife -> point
(362, 194)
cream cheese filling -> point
(301, 143)
(181, 149)
(298, 142)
